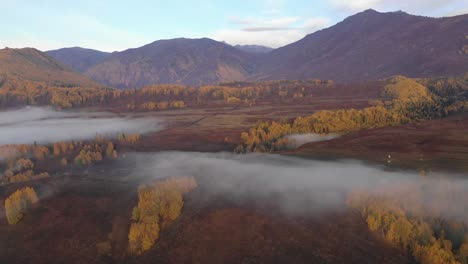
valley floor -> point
(83, 210)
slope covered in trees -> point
(403, 100)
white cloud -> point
(313, 24)
(273, 32)
(280, 22)
(457, 12)
(266, 38)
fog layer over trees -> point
(304, 186)
(44, 125)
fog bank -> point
(44, 125)
(297, 140)
(304, 186)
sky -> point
(114, 25)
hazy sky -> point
(113, 25)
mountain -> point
(174, 61)
(79, 59)
(254, 48)
(30, 64)
(367, 46)
(373, 45)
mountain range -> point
(367, 46)
(175, 61)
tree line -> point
(156, 97)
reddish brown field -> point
(67, 226)
(437, 145)
(78, 212)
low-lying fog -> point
(300, 185)
(44, 125)
(298, 140)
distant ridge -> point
(366, 46)
(79, 59)
(175, 61)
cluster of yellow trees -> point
(230, 93)
(155, 97)
(403, 100)
(23, 170)
(128, 138)
(158, 204)
(10, 152)
(151, 106)
(18, 202)
(62, 147)
(430, 240)
(89, 154)
(269, 136)
(20, 92)
(18, 166)
(18, 160)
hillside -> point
(373, 45)
(29, 64)
(180, 61)
(79, 59)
